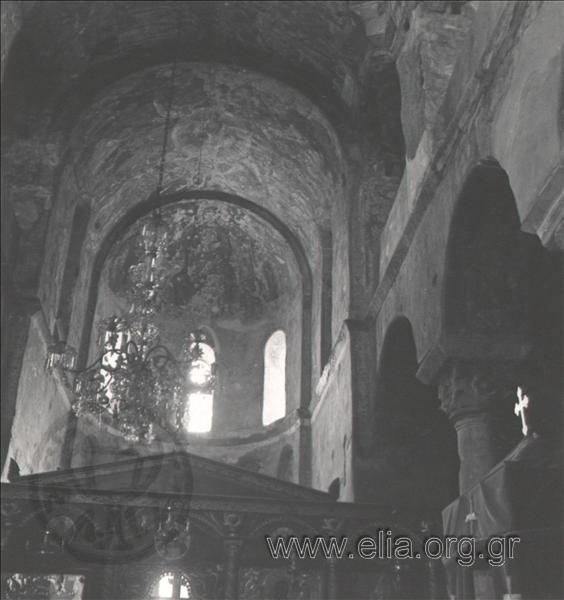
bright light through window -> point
(199, 412)
(274, 398)
(200, 372)
(165, 586)
(171, 585)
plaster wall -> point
(341, 272)
(331, 422)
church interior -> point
(281, 270)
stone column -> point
(305, 458)
(331, 579)
(231, 568)
(437, 584)
(473, 394)
(331, 527)
(17, 315)
(232, 545)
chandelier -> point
(136, 381)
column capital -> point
(469, 388)
(232, 523)
(304, 415)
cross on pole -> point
(520, 406)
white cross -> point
(520, 407)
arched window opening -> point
(274, 395)
(171, 585)
(198, 413)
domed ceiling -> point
(223, 266)
(244, 134)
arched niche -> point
(503, 296)
(298, 187)
(414, 452)
(236, 271)
(490, 261)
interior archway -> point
(229, 270)
(504, 288)
(414, 452)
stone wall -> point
(13, 13)
(331, 422)
(491, 111)
(40, 424)
(96, 443)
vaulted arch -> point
(414, 446)
(502, 296)
(490, 261)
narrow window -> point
(198, 414)
(274, 397)
(171, 585)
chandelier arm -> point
(89, 367)
(131, 344)
(111, 369)
(167, 353)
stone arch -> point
(490, 261)
(502, 296)
(84, 315)
(213, 339)
(149, 204)
(414, 447)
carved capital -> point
(231, 567)
(232, 523)
(470, 388)
(304, 415)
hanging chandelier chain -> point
(170, 100)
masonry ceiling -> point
(70, 50)
(243, 133)
(223, 265)
(274, 102)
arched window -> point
(274, 396)
(170, 585)
(198, 413)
